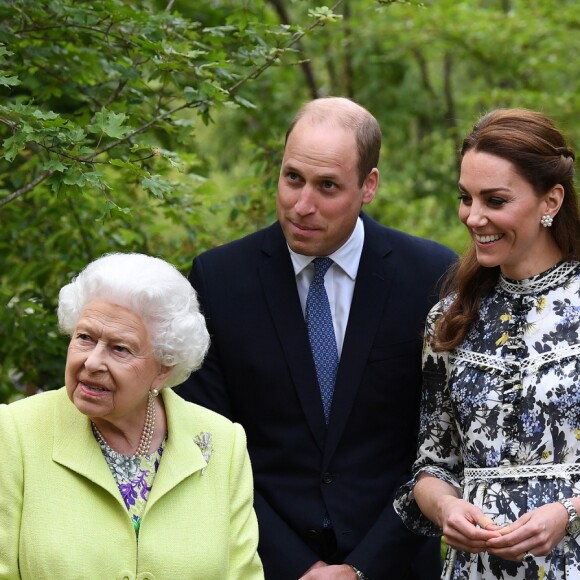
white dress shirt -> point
(339, 280)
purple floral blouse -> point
(134, 477)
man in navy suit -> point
(324, 484)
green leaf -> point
(156, 185)
(13, 145)
(244, 102)
(45, 115)
(9, 81)
(110, 123)
(55, 165)
(324, 14)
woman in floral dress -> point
(498, 468)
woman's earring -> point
(155, 392)
(547, 221)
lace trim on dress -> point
(551, 278)
(533, 364)
(408, 509)
(562, 470)
(527, 366)
(469, 357)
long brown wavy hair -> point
(541, 155)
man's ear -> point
(370, 186)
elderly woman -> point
(115, 476)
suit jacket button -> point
(327, 478)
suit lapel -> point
(279, 283)
(373, 283)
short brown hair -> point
(353, 117)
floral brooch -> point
(203, 441)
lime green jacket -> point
(62, 516)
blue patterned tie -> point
(321, 333)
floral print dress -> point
(500, 417)
(134, 477)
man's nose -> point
(305, 203)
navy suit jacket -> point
(260, 372)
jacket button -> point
(327, 478)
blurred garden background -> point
(158, 127)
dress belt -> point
(520, 471)
(484, 474)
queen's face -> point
(502, 213)
(110, 367)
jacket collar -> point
(181, 457)
(75, 447)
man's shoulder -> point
(269, 236)
(397, 240)
(193, 419)
(423, 246)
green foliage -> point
(101, 103)
(158, 127)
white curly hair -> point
(157, 292)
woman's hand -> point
(464, 526)
(536, 532)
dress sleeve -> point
(245, 563)
(11, 493)
(439, 447)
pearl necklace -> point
(146, 435)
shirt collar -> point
(347, 256)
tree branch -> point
(349, 41)
(253, 74)
(20, 192)
(306, 65)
